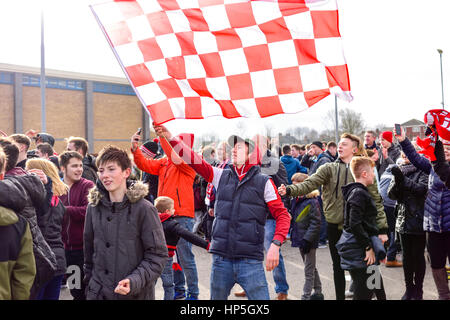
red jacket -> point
(175, 180)
(75, 201)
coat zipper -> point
(68, 224)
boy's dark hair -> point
(11, 151)
(286, 149)
(65, 157)
(45, 148)
(114, 154)
(331, 144)
(80, 144)
(22, 139)
(359, 164)
(163, 203)
(2, 161)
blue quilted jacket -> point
(437, 204)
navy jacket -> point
(437, 204)
(238, 228)
(308, 227)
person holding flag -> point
(243, 198)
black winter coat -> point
(44, 257)
(51, 227)
(410, 195)
(122, 240)
(360, 213)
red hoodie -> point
(75, 201)
(213, 174)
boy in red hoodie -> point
(75, 201)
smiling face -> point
(112, 176)
(73, 171)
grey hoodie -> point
(122, 240)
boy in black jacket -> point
(173, 231)
(360, 215)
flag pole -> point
(336, 131)
(43, 110)
(442, 79)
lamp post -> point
(442, 78)
(43, 110)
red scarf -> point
(438, 122)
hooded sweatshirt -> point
(175, 179)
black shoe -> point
(409, 294)
(418, 293)
(317, 296)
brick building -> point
(103, 110)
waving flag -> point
(193, 59)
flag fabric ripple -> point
(193, 59)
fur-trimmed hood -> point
(135, 192)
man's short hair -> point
(299, 177)
(2, 161)
(355, 139)
(11, 151)
(162, 204)
(80, 144)
(296, 147)
(372, 133)
(22, 139)
(65, 157)
(286, 149)
(359, 164)
(45, 148)
(331, 144)
(114, 154)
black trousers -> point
(413, 248)
(361, 290)
(334, 234)
(439, 248)
(76, 258)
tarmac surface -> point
(393, 278)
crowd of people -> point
(124, 221)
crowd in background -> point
(126, 221)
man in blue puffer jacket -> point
(436, 220)
(291, 164)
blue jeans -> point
(167, 280)
(187, 261)
(248, 273)
(51, 290)
(279, 273)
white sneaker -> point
(348, 294)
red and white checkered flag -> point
(193, 59)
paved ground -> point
(392, 277)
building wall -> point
(65, 113)
(116, 119)
(7, 108)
